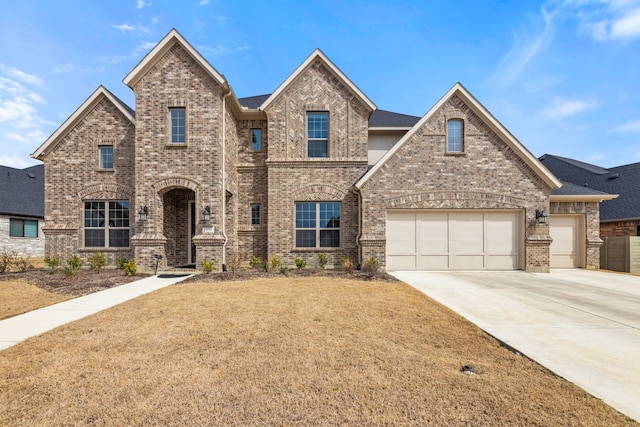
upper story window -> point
(23, 227)
(106, 157)
(318, 225)
(178, 125)
(255, 214)
(637, 230)
(455, 133)
(318, 134)
(106, 224)
(256, 139)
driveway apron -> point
(582, 325)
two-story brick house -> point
(198, 174)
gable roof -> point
(621, 180)
(318, 54)
(488, 119)
(382, 119)
(100, 93)
(160, 49)
(22, 191)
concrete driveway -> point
(582, 325)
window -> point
(318, 134)
(106, 224)
(255, 214)
(318, 225)
(23, 227)
(637, 230)
(178, 126)
(454, 136)
(256, 139)
(106, 157)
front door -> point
(192, 231)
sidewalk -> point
(18, 328)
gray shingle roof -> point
(379, 118)
(622, 180)
(569, 189)
(22, 191)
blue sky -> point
(562, 75)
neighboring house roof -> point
(621, 180)
(318, 54)
(488, 119)
(571, 192)
(88, 105)
(22, 191)
(253, 102)
(158, 52)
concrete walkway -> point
(18, 328)
(582, 325)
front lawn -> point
(282, 351)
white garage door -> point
(567, 232)
(462, 240)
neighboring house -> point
(618, 217)
(22, 210)
(198, 174)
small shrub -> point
(323, 259)
(284, 270)
(121, 261)
(21, 263)
(130, 268)
(236, 261)
(97, 261)
(372, 265)
(275, 263)
(6, 259)
(347, 263)
(73, 266)
(300, 263)
(207, 266)
(53, 263)
(255, 261)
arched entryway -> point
(179, 226)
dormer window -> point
(318, 134)
(455, 132)
(178, 125)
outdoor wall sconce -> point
(143, 214)
(541, 217)
(206, 213)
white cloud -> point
(21, 76)
(123, 27)
(127, 28)
(561, 108)
(606, 20)
(203, 2)
(527, 44)
(141, 4)
(16, 161)
(628, 26)
(628, 127)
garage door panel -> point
(459, 240)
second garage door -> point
(459, 240)
(567, 232)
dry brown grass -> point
(284, 351)
(18, 296)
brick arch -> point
(169, 184)
(455, 200)
(317, 192)
(106, 190)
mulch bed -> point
(87, 282)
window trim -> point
(318, 228)
(184, 127)
(24, 221)
(100, 158)
(107, 219)
(251, 211)
(251, 143)
(309, 139)
(448, 134)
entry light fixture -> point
(206, 213)
(143, 213)
(541, 217)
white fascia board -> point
(487, 118)
(160, 49)
(345, 80)
(388, 128)
(77, 116)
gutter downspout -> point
(224, 171)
